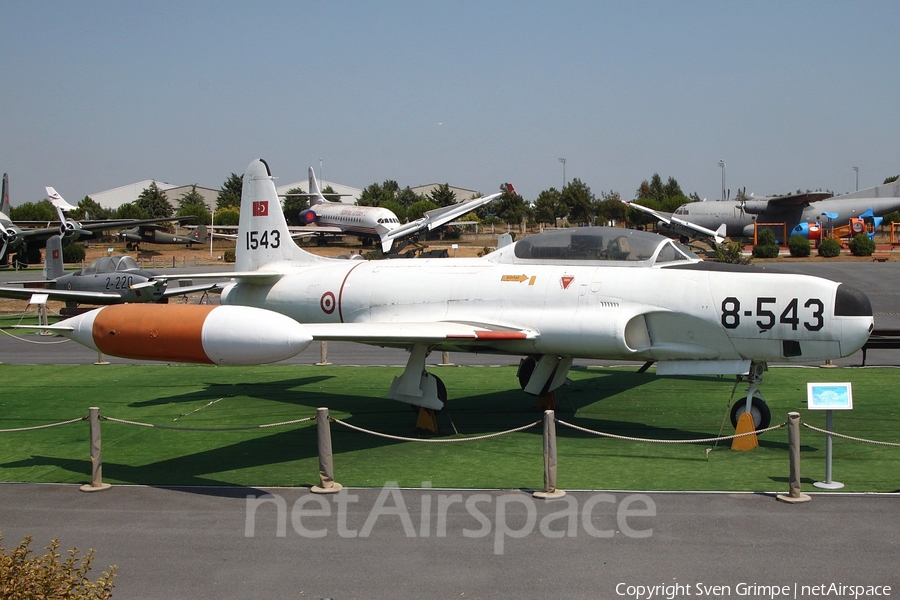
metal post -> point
(550, 462)
(327, 484)
(794, 495)
(828, 484)
(96, 483)
(445, 360)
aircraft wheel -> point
(526, 368)
(759, 410)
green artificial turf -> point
(482, 400)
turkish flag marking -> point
(55, 254)
(261, 208)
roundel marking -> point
(327, 303)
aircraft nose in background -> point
(854, 310)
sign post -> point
(829, 397)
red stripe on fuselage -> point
(341, 293)
(492, 335)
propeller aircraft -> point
(551, 298)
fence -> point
(328, 484)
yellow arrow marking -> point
(516, 278)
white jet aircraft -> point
(598, 292)
(379, 223)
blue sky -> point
(790, 94)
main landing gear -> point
(755, 402)
(424, 391)
(541, 375)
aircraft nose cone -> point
(851, 302)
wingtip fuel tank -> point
(221, 335)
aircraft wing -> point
(441, 333)
(25, 293)
(435, 218)
(799, 199)
(190, 289)
(680, 226)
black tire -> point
(762, 416)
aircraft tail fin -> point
(264, 239)
(720, 233)
(315, 194)
(201, 234)
(53, 259)
(4, 200)
(58, 201)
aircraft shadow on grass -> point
(470, 415)
(281, 391)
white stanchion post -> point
(550, 462)
(327, 484)
(795, 496)
(96, 484)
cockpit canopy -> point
(111, 264)
(627, 247)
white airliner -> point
(594, 292)
(375, 222)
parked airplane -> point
(599, 292)
(375, 222)
(797, 211)
(680, 227)
(16, 239)
(107, 280)
(157, 234)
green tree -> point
(406, 197)
(442, 195)
(891, 179)
(417, 210)
(154, 202)
(228, 216)
(89, 209)
(191, 203)
(395, 207)
(548, 207)
(862, 245)
(610, 207)
(230, 194)
(34, 211)
(295, 202)
(377, 194)
(579, 200)
(510, 207)
(131, 210)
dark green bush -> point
(799, 246)
(228, 256)
(861, 245)
(73, 253)
(732, 253)
(829, 248)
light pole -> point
(857, 177)
(320, 170)
(563, 161)
(722, 164)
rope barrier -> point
(22, 339)
(433, 441)
(138, 424)
(697, 441)
(848, 437)
(48, 426)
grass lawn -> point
(482, 400)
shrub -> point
(861, 245)
(829, 248)
(765, 245)
(731, 253)
(73, 253)
(228, 256)
(799, 246)
(891, 217)
(23, 576)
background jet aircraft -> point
(14, 239)
(107, 280)
(795, 210)
(597, 292)
(157, 234)
(374, 222)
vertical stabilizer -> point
(264, 240)
(315, 194)
(4, 200)
(53, 259)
